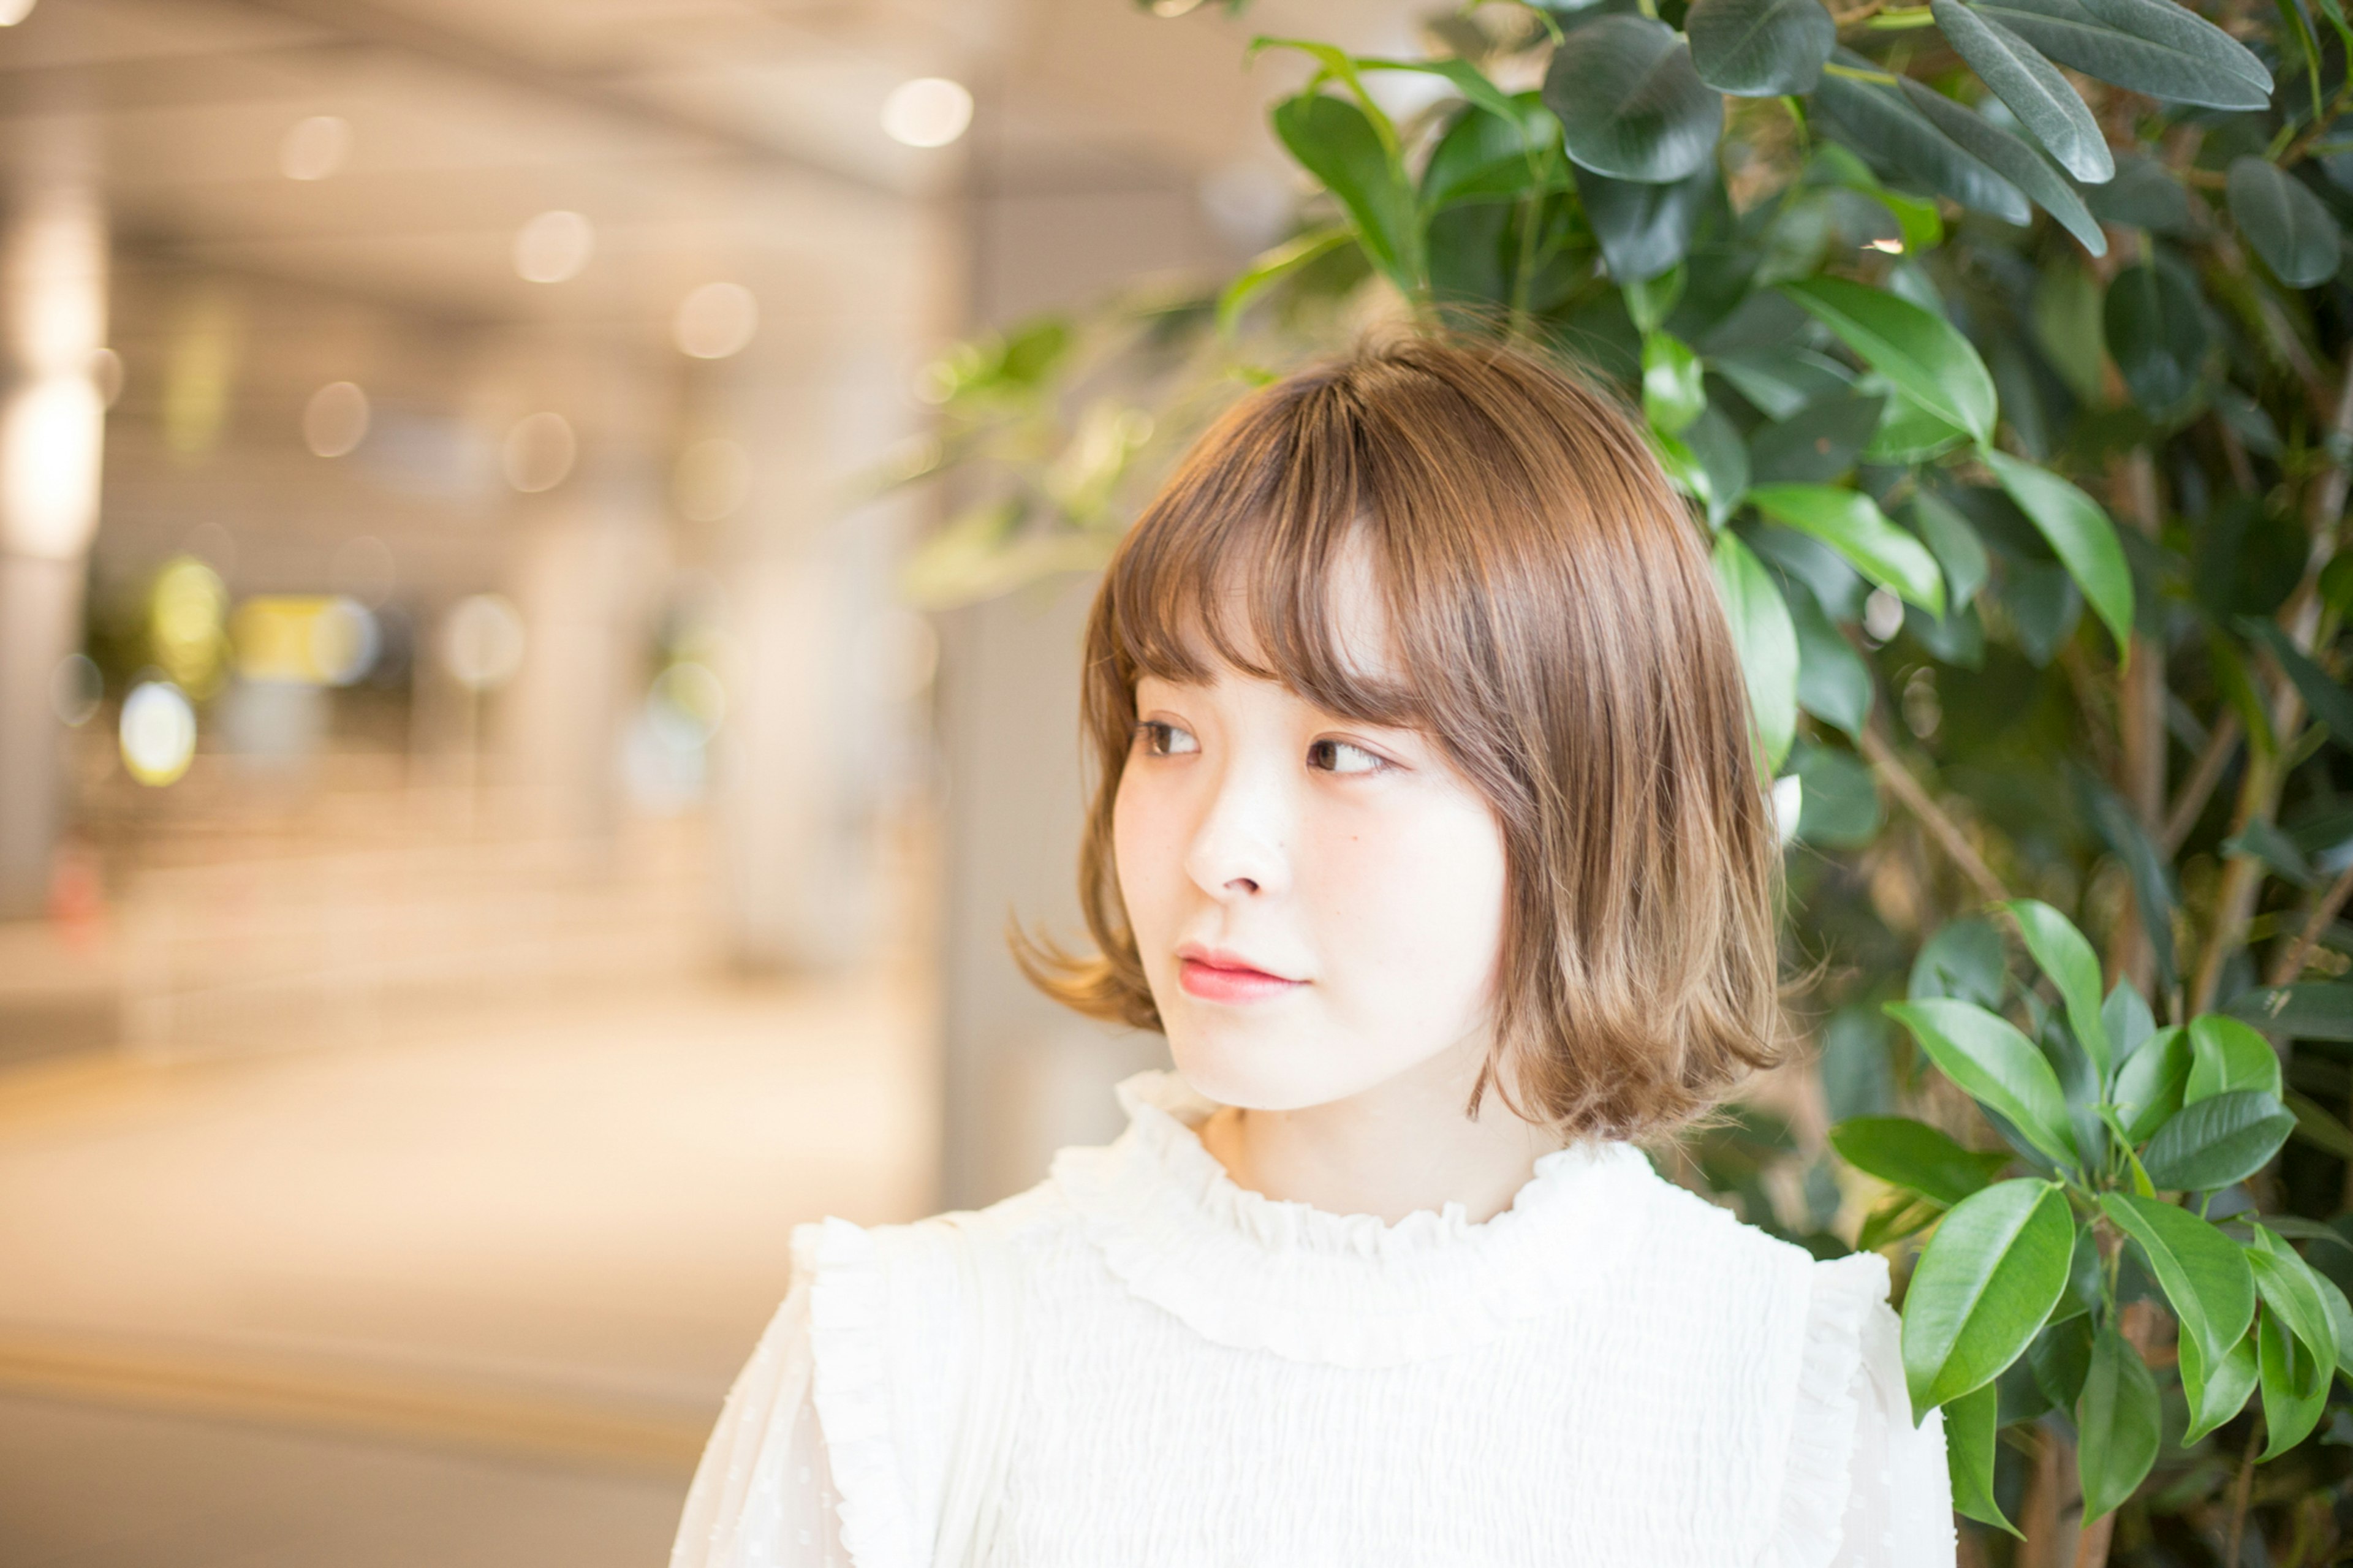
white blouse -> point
(1612, 1371)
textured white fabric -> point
(1612, 1371)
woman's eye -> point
(1340, 757)
(1164, 740)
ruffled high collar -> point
(1261, 1273)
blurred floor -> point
(469, 1290)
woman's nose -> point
(1238, 849)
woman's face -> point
(1319, 903)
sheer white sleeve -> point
(763, 1496)
(1899, 1511)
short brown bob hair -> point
(1555, 623)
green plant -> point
(1916, 318)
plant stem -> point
(2241, 1492)
(2304, 618)
(1947, 834)
(2291, 963)
(2140, 723)
(2221, 744)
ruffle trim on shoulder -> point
(1260, 1273)
(849, 1384)
(1820, 1471)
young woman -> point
(1430, 832)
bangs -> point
(1239, 568)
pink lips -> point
(1216, 976)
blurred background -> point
(486, 842)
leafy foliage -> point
(1955, 322)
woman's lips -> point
(1212, 984)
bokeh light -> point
(716, 321)
(305, 640)
(315, 148)
(929, 111)
(14, 11)
(539, 452)
(335, 420)
(76, 688)
(712, 478)
(187, 611)
(158, 734)
(482, 642)
(554, 246)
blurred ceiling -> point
(692, 132)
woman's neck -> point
(1402, 1145)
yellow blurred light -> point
(929, 111)
(199, 373)
(186, 609)
(158, 733)
(689, 704)
(13, 11)
(335, 420)
(552, 246)
(315, 148)
(308, 639)
(716, 321)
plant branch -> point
(2241, 1491)
(2291, 963)
(2304, 617)
(1915, 799)
(2190, 801)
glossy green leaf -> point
(2204, 1273)
(2116, 1422)
(2125, 1015)
(1815, 444)
(1842, 809)
(2295, 1387)
(1468, 80)
(2155, 330)
(1918, 350)
(1986, 1282)
(1833, 683)
(1673, 393)
(1878, 115)
(1759, 48)
(1964, 961)
(1629, 102)
(1916, 1156)
(1954, 542)
(2312, 1010)
(2316, 1125)
(2216, 1142)
(2148, 46)
(1971, 1423)
(2215, 1391)
(1643, 229)
(1480, 156)
(2330, 703)
(2340, 1320)
(1909, 433)
(2149, 1085)
(1996, 1064)
(2078, 531)
(2013, 160)
(1333, 141)
(1851, 523)
(2060, 1355)
(2291, 1289)
(1272, 267)
(1767, 641)
(2285, 223)
(2065, 956)
(2226, 1057)
(2031, 85)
